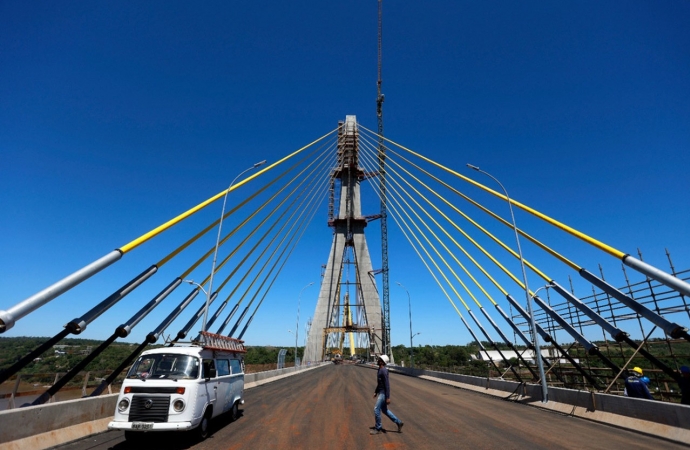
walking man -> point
(383, 397)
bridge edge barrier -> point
(44, 426)
(663, 419)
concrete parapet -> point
(257, 379)
(44, 426)
(51, 424)
(667, 420)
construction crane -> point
(382, 180)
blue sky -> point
(114, 118)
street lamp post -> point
(299, 298)
(533, 325)
(215, 251)
(411, 352)
(197, 285)
(202, 290)
(290, 331)
(307, 327)
(409, 305)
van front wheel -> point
(204, 425)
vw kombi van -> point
(182, 387)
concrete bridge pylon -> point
(348, 304)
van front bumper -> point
(155, 426)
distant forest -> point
(63, 356)
(70, 351)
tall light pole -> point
(533, 325)
(197, 285)
(299, 298)
(307, 327)
(411, 353)
(220, 227)
(290, 331)
(409, 305)
(202, 290)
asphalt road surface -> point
(332, 408)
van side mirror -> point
(211, 374)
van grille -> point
(153, 390)
(149, 408)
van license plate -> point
(142, 425)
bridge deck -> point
(332, 408)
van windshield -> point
(165, 366)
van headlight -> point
(123, 405)
(178, 405)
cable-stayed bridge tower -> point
(348, 303)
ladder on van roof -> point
(214, 341)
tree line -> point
(62, 357)
(70, 351)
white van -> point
(181, 387)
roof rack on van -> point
(214, 341)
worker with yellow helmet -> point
(635, 387)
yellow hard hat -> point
(638, 370)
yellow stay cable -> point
(431, 272)
(590, 240)
(246, 257)
(395, 191)
(476, 282)
(435, 250)
(304, 228)
(476, 244)
(292, 235)
(498, 241)
(491, 213)
(161, 228)
(486, 232)
(225, 216)
(532, 239)
(298, 176)
(394, 209)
